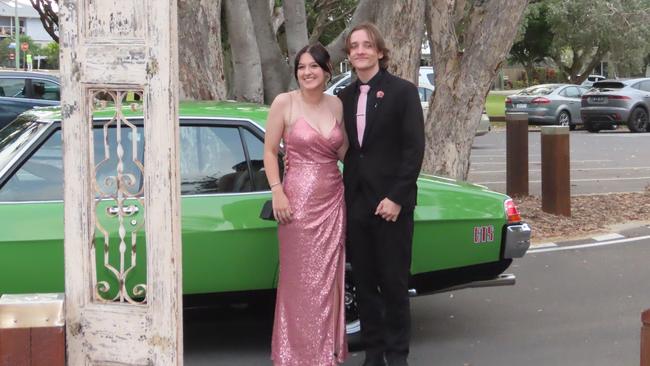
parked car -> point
(465, 234)
(613, 102)
(426, 92)
(591, 79)
(20, 91)
(339, 82)
(549, 104)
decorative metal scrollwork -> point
(118, 183)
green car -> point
(465, 235)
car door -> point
(226, 246)
(572, 95)
(31, 207)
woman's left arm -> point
(338, 112)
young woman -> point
(308, 204)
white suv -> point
(339, 82)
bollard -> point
(645, 338)
(32, 330)
(517, 154)
(556, 174)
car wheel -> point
(638, 121)
(564, 119)
(352, 322)
(590, 127)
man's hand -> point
(388, 210)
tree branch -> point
(49, 17)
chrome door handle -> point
(127, 210)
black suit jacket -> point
(389, 161)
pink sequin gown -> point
(309, 327)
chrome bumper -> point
(517, 240)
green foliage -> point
(534, 43)
(34, 49)
(51, 50)
(336, 12)
(586, 32)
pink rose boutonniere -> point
(379, 95)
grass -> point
(495, 105)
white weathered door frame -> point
(112, 49)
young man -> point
(384, 123)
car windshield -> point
(539, 90)
(336, 79)
(15, 136)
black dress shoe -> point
(374, 361)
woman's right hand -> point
(281, 208)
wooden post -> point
(32, 330)
(517, 154)
(645, 338)
(556, 175)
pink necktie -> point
(361, 111)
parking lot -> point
(605, 162)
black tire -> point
(638, 121)
(564, 119)
(591, 127)
(352, 323)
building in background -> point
(29, 21)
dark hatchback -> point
(20, 91)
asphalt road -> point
(575, 304)
(609, 161)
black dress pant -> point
(380, 254)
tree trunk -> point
(295, 26)
(201, 70)
(402, 25)
(463, 76)
(247, 73)
(275, 70)
(366, 11)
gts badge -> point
(483, 234)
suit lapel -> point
(373, 111)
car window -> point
(583, 89)
(40, 178)
(12, 87)
(338, 78)
(47, 90)
(425, 94)
(539, 90)
(571, 92)
(643, 85)
(213, 161)
(255, 147)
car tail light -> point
(540, 100)
(512, 213)
(508, 100)
(620, 97)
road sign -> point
(24, 46)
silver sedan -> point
(549, 104)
